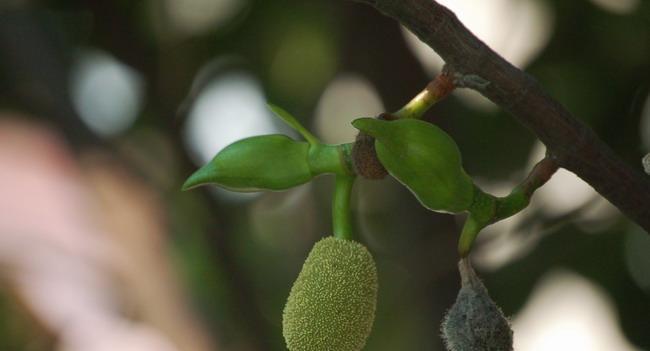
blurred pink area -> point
(83, 245)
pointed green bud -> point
(475, 322)
(332, 303)
(267, 162)
(423, 158)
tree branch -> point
(574, 145)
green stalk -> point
(417, 106)
(435, 91)
(470, 230)
(481, 214)
(520, 196)
(341, 214)
(325, 158)
(487, 209)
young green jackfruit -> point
(475, 322)
(332, 302)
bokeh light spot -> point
(190, 17)
(516, 29)
(230, 108)
(106, 93)
(565, 313)
(619, 7)
(347, 97)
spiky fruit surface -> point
(332, 303)
(475, 322)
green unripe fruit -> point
(332, 303)
(423, 158)
(266, 162)
(475, 322)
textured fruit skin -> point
(332, 302)
(475, 322)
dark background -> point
(234, 258)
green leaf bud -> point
(332, 302)
(423, 158)
(292, 122)
(475, 322)
(266, 162)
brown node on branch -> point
(443, 85)
(364, 157)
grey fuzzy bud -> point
(475, 322)
(646, 163)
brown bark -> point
(573, 144)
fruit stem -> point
(435, 91)
(487, 209)
(341, 215)
(520, 196)
(470, 230)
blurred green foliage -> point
(239, 257)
